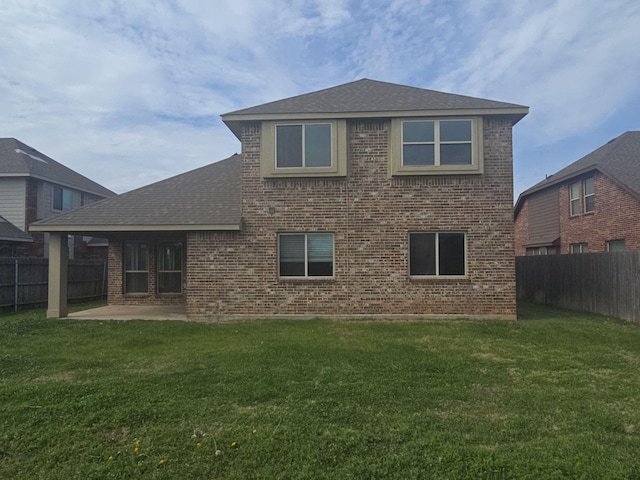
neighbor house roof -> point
(207, 198)
(371, 98)
(619, 160)
(9, 232)
(18, 159)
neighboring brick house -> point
(33, 187)
(364, 199)
(592, 205)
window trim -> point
(268, 156)
(581, 247)
(619, 240)
(397, 168)
(437, 260)
(53, 198)
(306, 275)
(159, 271)
(125, 271)
(585, 195)
(581, 198)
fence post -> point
(16, 286)
(104, 276)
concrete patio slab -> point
(132, 312)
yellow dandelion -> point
(198, 444)
(135, 450)
(254, 430)
(110, 457)
(161, 462)
(234, 444)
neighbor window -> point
(437, 254)
(589, 196)
(305, 254)
(62, 198)
(170, 268)
(136, 268)
(580, 248)
(615, 245)
(582, 197)
(535, 251)
(436, 146)
(303, 149)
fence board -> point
(86, 280)
(606, 283)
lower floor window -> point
(305, 254)
(579, 248)
(170, 268)
(136, 268)
(437, 254)
(615, 245)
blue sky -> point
(130, 92)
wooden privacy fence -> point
(24, 281)
(605, 283)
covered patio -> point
(133, 312)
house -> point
(364, 199)
(33, 186)
(592, 205)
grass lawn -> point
(555, 395)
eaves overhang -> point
(234, 121)
(132, 228)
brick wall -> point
(371, 216)
(116, 295)
(615, 218)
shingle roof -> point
(369, 97)
(9, 232)
(19, 159)
(207, 198)
(619, 159)
(372, 96)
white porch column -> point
(58, 259)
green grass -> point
(555, 395)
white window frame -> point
(585, 195)
(437, 255)
(619, 241)
(306, 275)
(397, 167)
(582, 247)
(572, 199)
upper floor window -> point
(303, 149)
(437, 254)
(305, 254)
(589, 195)
(306, 145)
(436, 142)
(62, 198)
(582, 197)
(436, 146)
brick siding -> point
(615, 218)
(371, 216)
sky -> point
(131, 92)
